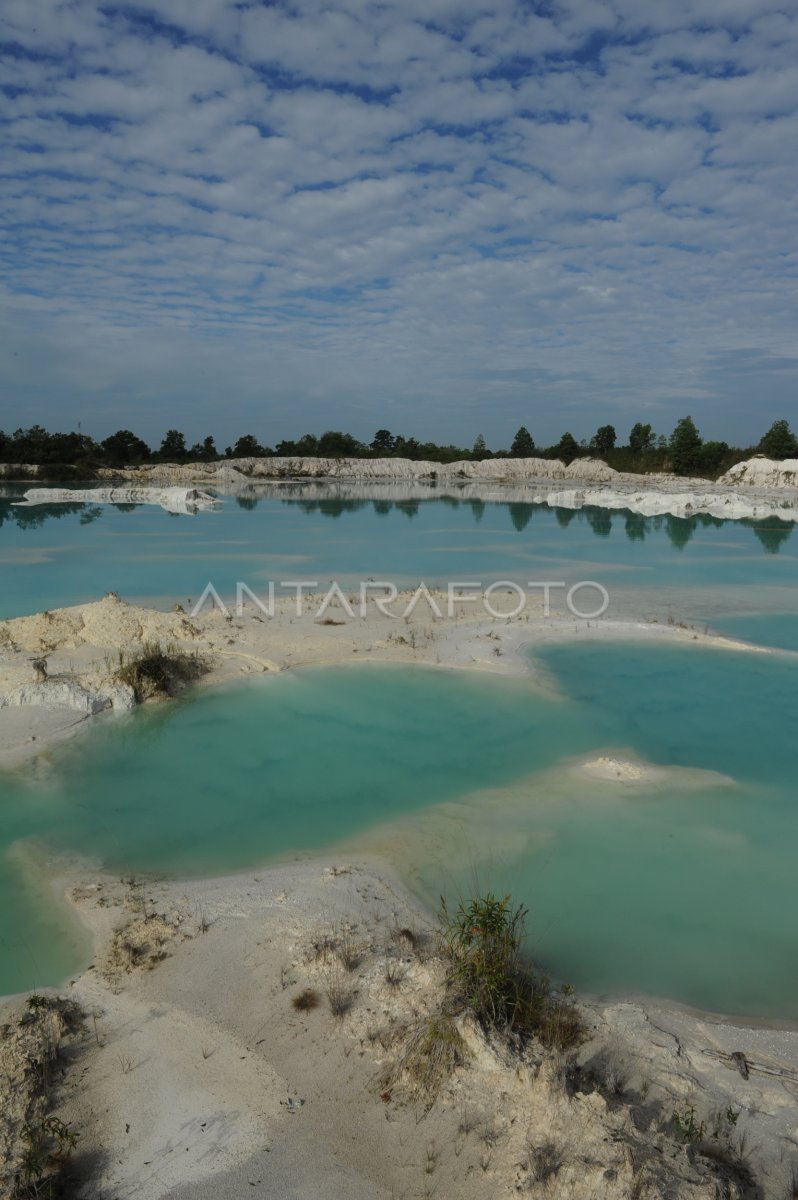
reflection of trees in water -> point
(772, 534)
(248, 503)
(679, 530)
(599, 520)
(635, 526)
(35, 516)
(329, 508)
(521, 515)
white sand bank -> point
(196, 1077)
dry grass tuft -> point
(340, 995)
(394, 974)
(156, 671)
(432, 1051)
(542, 1164)
(306, 1000)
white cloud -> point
(464, 211)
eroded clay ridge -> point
(756, 489)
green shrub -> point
(489, 975)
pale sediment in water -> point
(621, 767)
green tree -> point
(384, 442)
(567, 448)
(334, 444)
(641, 438)
(523, 444)
(712, 456)
(204, 451)
(248, 446)
(779, 441)
(604, 439)
(480, 449)
(685, 447)
(124, 447)
(173, 447)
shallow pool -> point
(684, 889)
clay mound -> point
(763, 472)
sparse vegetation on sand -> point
(488, 975)
(35, 1145)
(158, 671)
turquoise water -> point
(686, 891)
(58, 555)
(779, 630)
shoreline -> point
(70, 875)
(193, 1031)
(81, 643)
(754, 489)
(223, 993)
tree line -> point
(684, 452)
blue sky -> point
(444, 217)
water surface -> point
(688, 892)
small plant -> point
(687, 1129)
(406, 936)
(430, 1159)
(394, 974)
(542, 1163)
(49, 1145)
(306, 1000)
(432, 1053)
(157, 671)
(488, 974)
(340, 995)
(348, 950)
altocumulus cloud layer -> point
(442, 216)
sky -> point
(443, 217)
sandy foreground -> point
(191, 1073)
